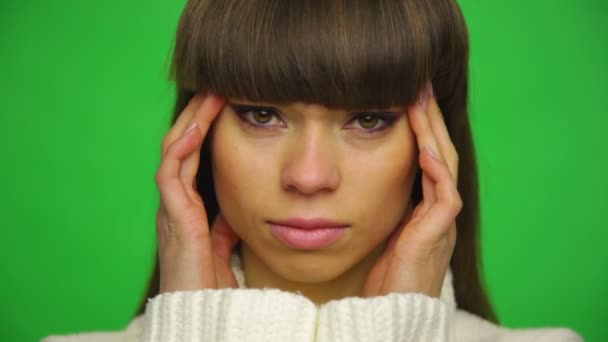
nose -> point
(311, 166)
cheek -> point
(238, 175)
(382, 183)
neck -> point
(347, 284)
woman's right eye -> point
(262, 117)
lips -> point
(307, 234)
(312, 223)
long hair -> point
(347, 54)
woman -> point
(319, 169)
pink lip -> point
(311, 223)
(307, 234)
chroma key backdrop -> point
(85, 102)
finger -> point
(394, 236)
(426, 140)
(428, 194)
(176, 194)
(182, 122)
(446, 147)
(441, 215)
(379, 271)
(173, 194)
(421, 125)
(204, 117)
(223, 239)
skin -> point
(312, 162)
(389, 247)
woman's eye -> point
(373, 122)
(258, 116)
(261, 117)
(368, 121)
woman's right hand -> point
(191, 256)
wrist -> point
(185, 269)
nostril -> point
(310, 179)
(310, 165)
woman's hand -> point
(418, 253)
(191, 256)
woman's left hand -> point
(418, 252)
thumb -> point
(223, 239)
(394, 236)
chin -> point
(311, 267)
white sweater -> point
(272, 315)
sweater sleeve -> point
(417, 317)
(471, 328)
(229, 315)
(273, 315)
(400, 317)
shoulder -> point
(471, 328)
(129, 334)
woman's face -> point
(276, 168)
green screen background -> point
(85, 103)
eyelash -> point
(387, 118)
(243, 112)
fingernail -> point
(424, 100)
(432, 152)
(190, 128)
(425, 104)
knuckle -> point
(162, 179)
(456, 203)
(159, 177)
(169, 149)
(165, 143)
(168, 144)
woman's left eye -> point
(373, 122)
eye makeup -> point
(367, 124)
(373, 123)
(258, 116)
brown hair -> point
(347, 54)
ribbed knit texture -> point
(250, 315)
(229, 315)
(273, 315)
(395, 317)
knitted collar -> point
(447, 290)
(447, 294)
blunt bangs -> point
(347, 54)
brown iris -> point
(262, 116)
(368, 121)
